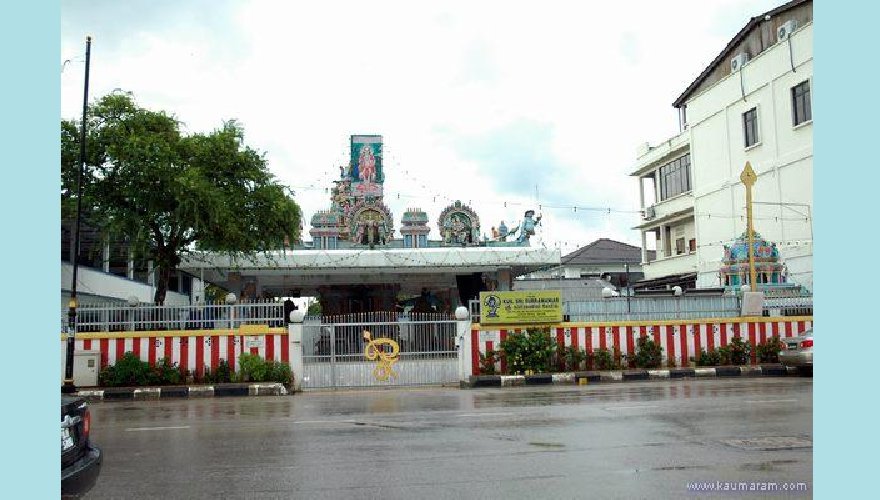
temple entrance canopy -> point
(354, 263)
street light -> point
(68, 386)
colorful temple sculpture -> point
(358, 216)
(355, 264)
(460, 225)
(769, 271)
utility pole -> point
(68, 386)
(748, 179)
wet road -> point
(631, 440)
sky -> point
(506, 106)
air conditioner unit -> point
(739, 61)
(649, 213)
(785, 30)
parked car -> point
(80, 459)
(798, 351)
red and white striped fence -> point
(681, 340)
(192, 350)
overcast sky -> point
(505, 106)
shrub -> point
(531, 351)
(223, 373)
(601, 359)
(573, 358)
(711, 358)
(768, 352)
(487, 363)
(277, 371)
(128, 370)
(165, 373)
(649, 354)
(252, 368)
(740, 350)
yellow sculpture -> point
(384, 360)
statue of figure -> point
(528, 226)
(502, 232)
(367, 164)
(495, 233)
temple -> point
(769, 271)
(356, 263)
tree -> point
(170, 193)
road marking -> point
(484, 415)
(631, 407)
(772, 401)
(137, 429)
(323, 421)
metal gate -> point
(375, 353)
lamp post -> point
(68, 386)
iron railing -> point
(145, 317)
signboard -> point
(365, 166)
(510, 308)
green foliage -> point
(166, 373)
(531, 351)
(573, 358)
(487, 362)
(649, 354)
(277, 371)
(711, 358)
(601, 359)
(736, 352)
(314, 309)
(768, 351)
(167, 192)
(253, 368)
(129, 370)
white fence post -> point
(463, 344)
(295, 354)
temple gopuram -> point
(735, 264)
(356, 262)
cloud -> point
(477, 101)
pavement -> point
(183, 391)
(667, 438)
(593, 377)
(567, 378)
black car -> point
(80, 460)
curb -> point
(198, 391)
(584, 378)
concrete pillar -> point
(662, 249)
(463, 345)
(642, 191)
(106, 256)
(151, 279)
(644, 248)
(130, 265)
(503, 276)
(295, 352)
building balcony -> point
(667, 266)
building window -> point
(800, 103)
(675, 177)
(750, 127)
(679, 246)
(692, 245)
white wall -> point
(94, 285)
(783, 160)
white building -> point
(751, 104)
